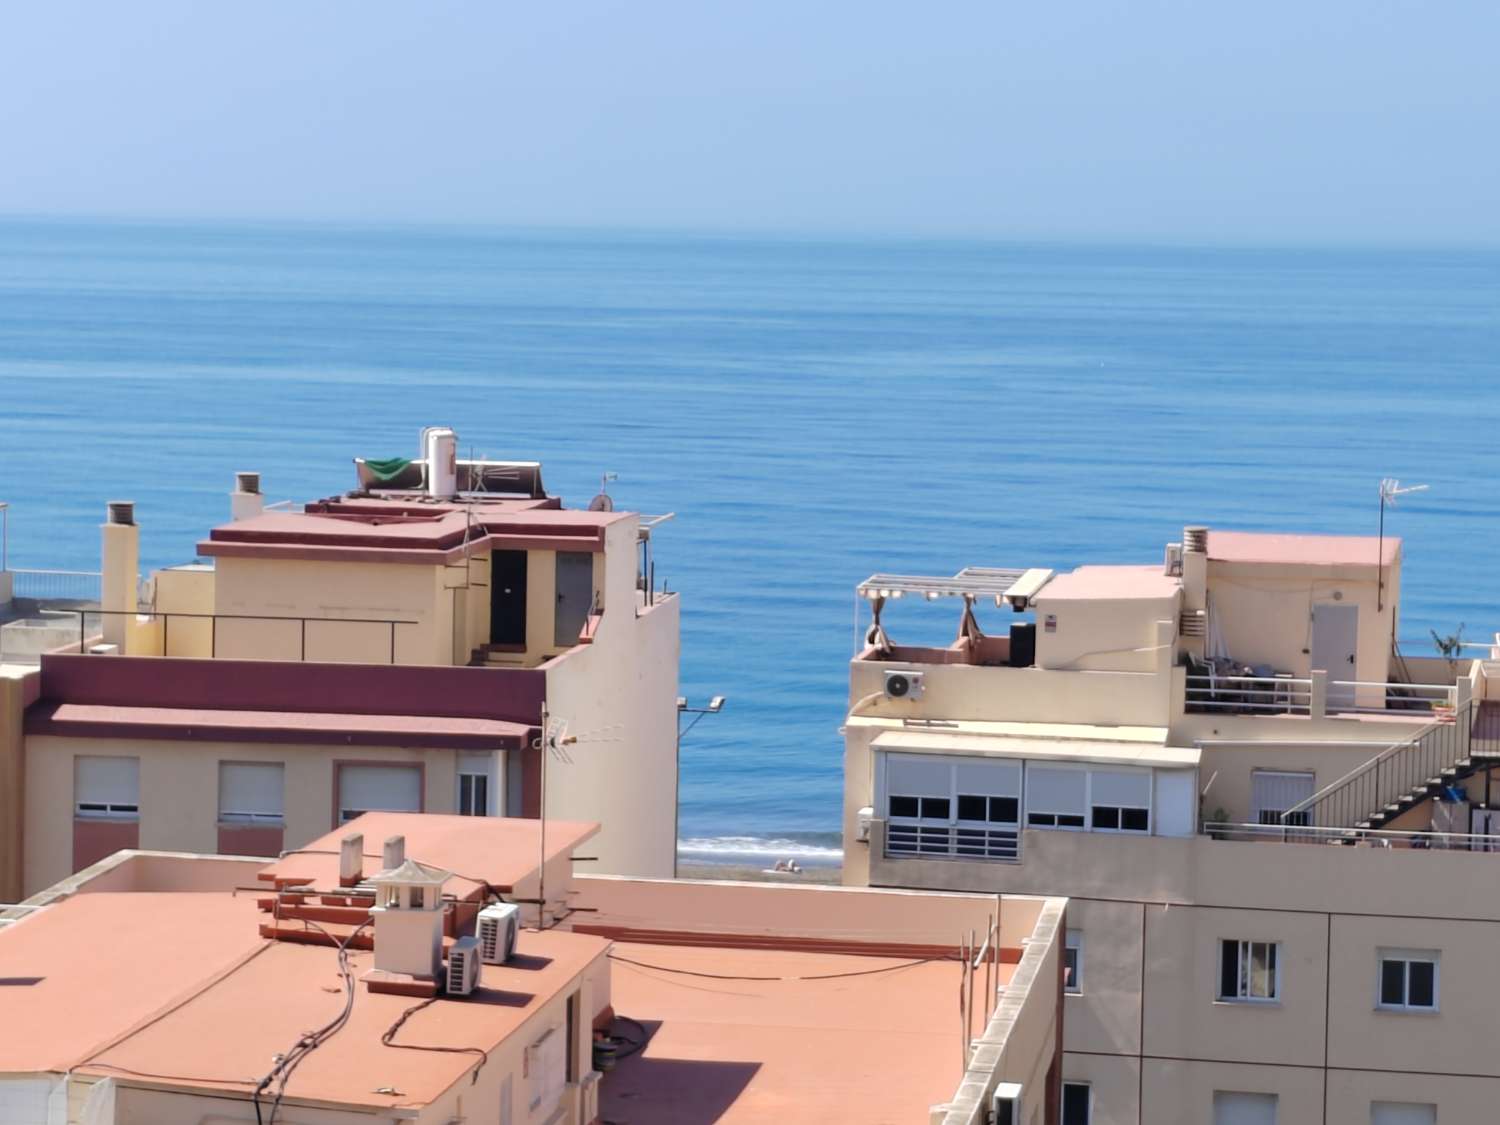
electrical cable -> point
(388, 1038)
(815, 976)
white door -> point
(1244, 1109)
(1402, 1113)
(1335, 640)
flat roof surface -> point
(1111, 582)
(499, 850)
(338, 728)
(1301, 550)
(875, 1048)
(225, 1036)
(1054, 749)
(77, 975)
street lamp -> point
(715, 705)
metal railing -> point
(1250, 695)
(57, 585)
(913, 839)
(213, 619)
(1355, 696)
(1400, 771)
(1353, 837)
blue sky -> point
(1331, 121)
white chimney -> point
(1194, 568)
(120, 561)
(246, 501)
(394, 853)
(441, 454)
(351, 859)
(409, 912)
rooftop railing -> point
(296, 627)
(1316, 695)
(1353, 837)
(56, 585)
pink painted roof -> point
(872, 1048)
(1301, 550)
(1110, 582)
(500, 850)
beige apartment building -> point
(1273, 826)
(407, 646)
(375, 977)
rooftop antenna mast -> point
(604, 502)
(1390, 489)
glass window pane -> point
(935, 808)
(1135, 820)
(903, 806)
(972, 808)
(1229, 961)
(1393, 982)
(1420, 992)
(1106, 817)
(1262, 970)
(1004, 810)
(1075, 1107)
(1067, 821)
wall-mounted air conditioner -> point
(1006, 1105)
(862, 823)
(463, 967)
(904, 685)
(496, 932)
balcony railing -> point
(1249, 695)
(1316, 696)
(1354, 837)
(56, 585)
(296, 627)
(911, 839)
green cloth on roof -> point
(388, 468)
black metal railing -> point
(213, 619)
(1395, 775)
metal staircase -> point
(1441, 754)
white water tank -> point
(441, 455)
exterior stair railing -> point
(1368, 796)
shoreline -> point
(821, 874)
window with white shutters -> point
(1119, 800)
(107, 788)
(966, 808)
(251, 792)
(365, 789)
(1056, 797)
(1231, 1108)
(1273, 792)
(1403, 1113)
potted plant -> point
(1450, 647)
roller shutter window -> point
(1120, 801)
(107, 788)
(1244, 1109)
(252, 792)
(1273, 792)
(378, 788)
(1056, 798)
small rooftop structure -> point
(1302, 550)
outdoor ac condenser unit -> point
(1007, 1104)
(903, 685)
(463, 967)
(496, 931)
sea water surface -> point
(812, 411)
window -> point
(107, 788)
(251, 792)
(1244, 1109)
(1120, 801)
(474, 772)
(1077, 1101)
(1402, 1113)
(951, 807)
(1249, 970)
(1056, 798)
(1073, 961)
(388, 788)
(1408, 981)
(1272, 792)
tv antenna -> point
(604, 502)
(1390, 490)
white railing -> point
(1367, 697)
(913, 839)
(57, 585)
(1354, 837)
(1317, 695)
(1267, 695)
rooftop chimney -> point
(120, 560)
(351, 859)
(394, 853)
(1194, 569)
(246, 501)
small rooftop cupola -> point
(246, 501)
(408, 915)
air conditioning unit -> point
(862, 823)
(1006, 1105)
(903, 685)
(463, 967)
(497, 932)
(1173, 565)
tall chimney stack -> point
(120, 561)
(246, 501)
(351, 859)
(393, 854)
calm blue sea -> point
(812, 411)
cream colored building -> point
(408, 646)
(1272, 825)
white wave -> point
(725, 849)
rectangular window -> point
(1249, 970)
(1120, 801)
(1073, 961)
(1077, 1103)
(251, 792)
(1408, 980)
(951, 807)
(474, 771)
(365, 789)
(1403, 1113)
(107, 788)
(1232, 1108)
(1056, 798)
(1272, 792)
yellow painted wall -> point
(1101, 634)
(186, 590)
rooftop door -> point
(508, 598)
(1335, 640)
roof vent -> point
(393, 853)
(1194, 623)
(247, 482)
(1195, 540)
(121, 511)
(351, 859)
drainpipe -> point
(120, 558)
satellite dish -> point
(602, 503)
